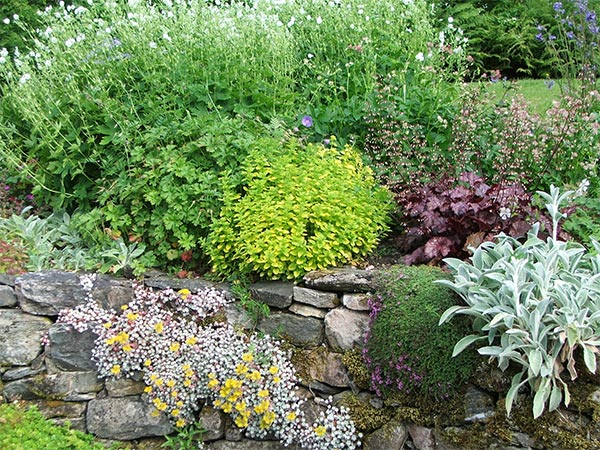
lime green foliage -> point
(303, 208)
(535, 304)
(27, 429)
(405, 349)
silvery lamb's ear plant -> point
(534, 303)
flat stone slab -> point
(307, 310)
(125, 418)
(47, 293)
(345, 328)
(301, 331)
(70, 349)
(7, 296)
(356, 302)
(341, 280)
(318, 299)
(278, 294)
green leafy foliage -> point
(302, 208)
(584, 222)
(22, 428)
(404, 349)
(534, 304)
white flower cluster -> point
(185, 359)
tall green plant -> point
(534, 304)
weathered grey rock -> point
(307, 311)
(318, 299)
(392, 436)
(125, 418)
(21, 372)
(67, 386)
(324, 366)
(524, 440)
(277, 294)
(46, 293)
(345, 328)
(323, 388)
(301, 331)
(233, 433)
(213, 422)
(356, 302)
(7, 297)
(20, 337)
(112, 293)
(8, 280)
(341, 280)
(479, 405)
(56, 408)
(422, 437)
(238, 317)
(246, 444)
(70, 349)
(123, 387)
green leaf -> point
(590, 359)
(535, 361)
(465, 342)
(539, 400)
(555, 398)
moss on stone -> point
(367, 418)
(358, 371)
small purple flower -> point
(6, 187)
(552, 37)
(549, 83)
(558, 7)
(570, 35)
(540, 37)
(307, 121)
(326, 142)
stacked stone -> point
(324, 316)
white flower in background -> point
(6, 20)
(24, 78)
(504, 213)
(15, 17)
(319, 20)
(420, 57)
(79, 10)
(69, 42)
(310, 56)
(450, 19)
(166, 37)
(48, 63)
(152, 44)
(291, 22)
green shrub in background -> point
(302, 208)
(404, 349)
(536, 304)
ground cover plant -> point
(187, 356)
(24, 428)
(534, 305)
(404, 350)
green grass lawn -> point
(536, 92)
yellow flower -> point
(184, 293)
(254, 376)
(148, 389)
(212, 375)
(132, 316)
(262, 407)
(267, 420)
(186, 367)
(241, 369)
(263, 393)
(147, 363)
(240, 406)
(211, 383)
(107, 325)
(187, 383)
(127, 348)
(189, 373)
(217, 403)
(273, 369)
(291, 416)
(170, 383)
(159, 327)
(241, 421)
(179, 404)
(276, 379)
(155, 413)
(175, 412)
(174, 393)
(159, 382)
(247, 357)
(153, 377)
(116, 369)
(174, 346)
(320, 431)
(124, 307)
(110, 341)
(227, 407)
(180, 423)
(162, 407)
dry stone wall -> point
(324, 316)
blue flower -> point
(558, 7)
(307, 121)
(549, 83)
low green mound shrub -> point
(404, 349)
(535, 304)
(303, 208)
(26, 429)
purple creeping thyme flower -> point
(307, 121)
(539, 37)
